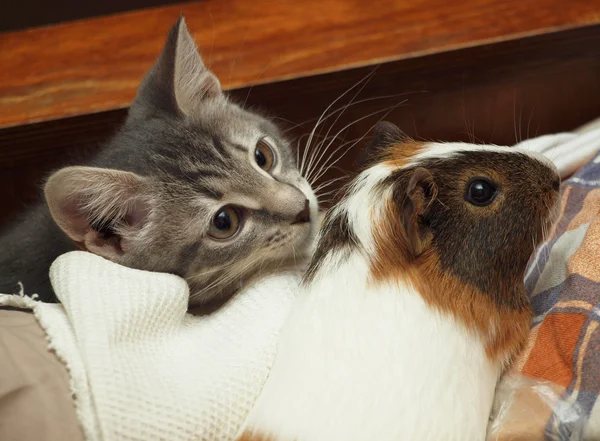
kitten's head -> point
(192, 184)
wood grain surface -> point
(95, 65)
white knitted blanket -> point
(141, 367)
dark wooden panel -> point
(95, 65)
(497, 93)
(23, 14)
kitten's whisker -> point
(328, 183)
(316, 171)
(255, 81)
(294, 253)
(327, 109)
(310, 154)
(316, 152)
(280, 118)
(294, 125)
(353, 104)
(332, 154)
(338, 182)
(232, 66)
(344, 108)
(298, 147)
(227, 278)
(327, 193)
(321, 153)
(211, 271)
(387, 112)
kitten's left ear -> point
(179, 80)
(101, 210)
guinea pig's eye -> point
(225, 224)
(480, 192)
(263, 155)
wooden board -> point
(95, 65)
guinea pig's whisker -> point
(536, 257)
(529, 121)
(442, 204)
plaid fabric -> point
(552, 391)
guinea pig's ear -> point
(420, 194)
(384, 134)
(101, 210)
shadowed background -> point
(479, 71)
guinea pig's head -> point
(457, 221)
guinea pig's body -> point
(373, 363)
(414, 302)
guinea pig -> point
(414, 302)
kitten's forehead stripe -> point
(239, 148)
(220, 148)
(210, 192)
(203, 174)
(187, 255)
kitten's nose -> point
(304, 215)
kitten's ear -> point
(420, 194)
(101, 210)
(384, 134)
(179, 80)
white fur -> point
(448, 149)
(359, 363)
(360, 201)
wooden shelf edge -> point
(95, 65)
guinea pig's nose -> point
(304, 215)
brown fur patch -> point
(401, 154)
(504, 330)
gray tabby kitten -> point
(192, 184)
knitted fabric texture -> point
(142, 368)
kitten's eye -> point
(225, 223)
(263, 155)
(480, 192)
